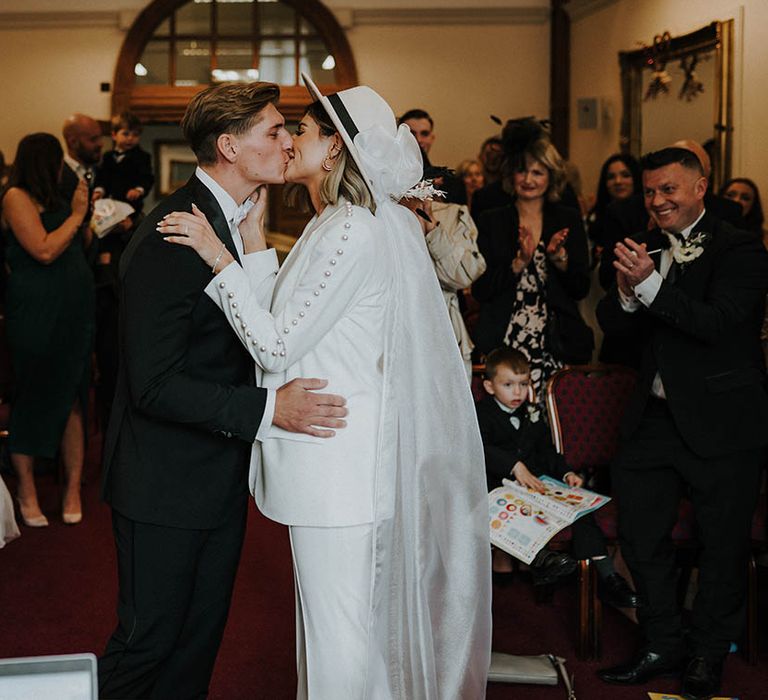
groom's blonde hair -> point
(228, 108)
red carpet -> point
(58, 591)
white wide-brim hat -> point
(353, 111)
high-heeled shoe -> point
(71, 518)
(36, 521)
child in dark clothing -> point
(517, 444)
(125, 172)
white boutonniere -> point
(685, 252)
(533, 414)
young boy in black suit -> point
(125, 172)
(517, 444)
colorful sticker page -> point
(565, 501)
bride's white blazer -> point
(328, 319)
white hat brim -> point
(314, 91)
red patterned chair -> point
(585, 406)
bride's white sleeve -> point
(338, 273)
(261, 269)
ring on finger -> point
(186, 229)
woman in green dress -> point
(49, 322)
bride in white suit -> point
(388, 519)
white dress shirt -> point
(645, 292)
(235, 213)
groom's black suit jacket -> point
(701, 333)
(186, 410)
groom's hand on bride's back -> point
(300, 409)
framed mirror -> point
(681, 88)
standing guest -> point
(619, 179)
(628, 217)
(695, 425)
(745, 192)
(83, 140)
(125, 173)
(471, 174)
(451, 238)
(187, 412)
(422, 126)
(392, 568)
(49, 322)
(492, 159)
(538, 265)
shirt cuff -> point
(628, 304)
(647, 290)
(269, 413)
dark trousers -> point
(587, 538)
(175, 591)
(653, 470)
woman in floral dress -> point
(538, 264)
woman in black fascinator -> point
(538, 265)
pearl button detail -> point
(307, 303)
(282, 353)
(323, 285)
(286, 330)
(231, 294)
(345, 237)
(327, 273)
(248, 334)
(294, 322)
(339, 252)
(262, 349)
(316, 293)
(274, 353)
(234, 304)
(347, 225)
(222, 285)
(301, 314)
(333, 261)
(237, 315)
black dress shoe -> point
(548, 566)
(615, 591)
(701, 679)
(641, 669)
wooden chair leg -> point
(750, 646)
(596, 615)
(583, 646)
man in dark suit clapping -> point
(187, 411)
(693, 289)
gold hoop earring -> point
(326, 165)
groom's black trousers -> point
(175, 591)
(653, 471)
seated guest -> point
(470, 172)
(537, 262)
(693, 290)
(745, 192)
(49, 322)
(518, 444)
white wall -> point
(460, 73)
(626, 24)
(47, 74)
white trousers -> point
(333, 570)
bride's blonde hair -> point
(343, 180)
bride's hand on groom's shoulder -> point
(251, 228)
(300, 409)
(194, 231)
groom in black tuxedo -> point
(695, 426)
(186, 413)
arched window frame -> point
(166, 103)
